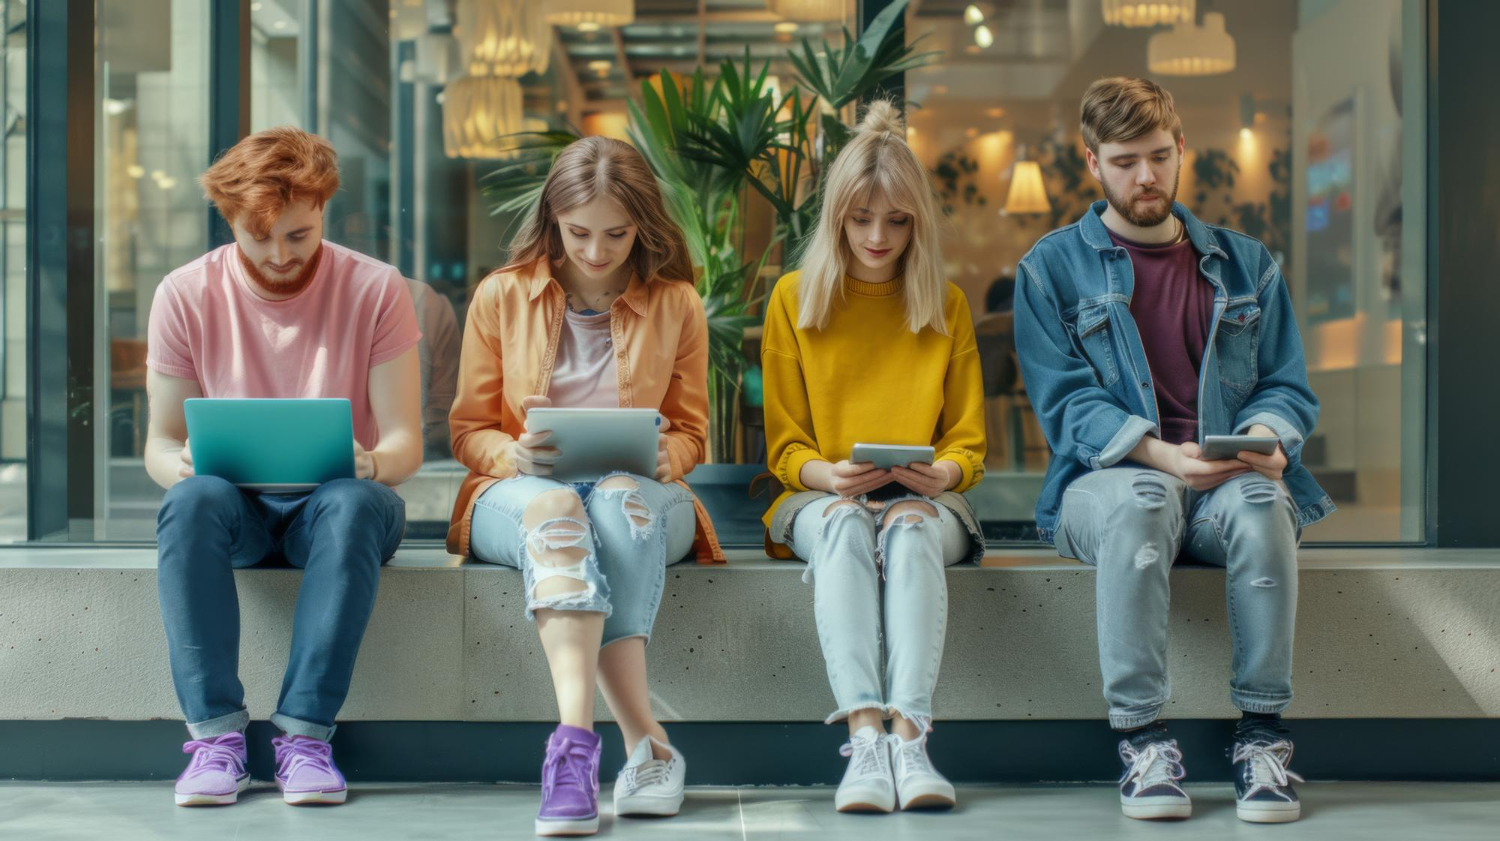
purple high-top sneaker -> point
(305, 772)
(216, 775)
(570, 783)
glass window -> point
(1308, 134)
(151, 91)
(13, 73)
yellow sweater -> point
(867, 379)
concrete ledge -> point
(1383, 633)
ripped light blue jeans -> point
(616, 538)
(1131, 522)
(850, 544)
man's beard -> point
(283, 288)
(1144, 217)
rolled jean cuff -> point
(1130, 434)
(1259, 702)
(298, 727)
(234, 722)
(1134, 717)
(839, 715)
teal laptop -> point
(271, 445)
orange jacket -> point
(510, 346)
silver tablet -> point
(886, 456)
(593, 443)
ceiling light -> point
(982, 37)
(972, 15)
(579, 12)
(1027, 194)
(588, 26)
(477, 114)
(280, 24)
(786, 27)
(1188, 50)
(502, 37)
(1148, 12)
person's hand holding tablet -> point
(928, 479)
(529, 452)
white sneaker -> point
(918, 784)
(650, 786)
(868, 785)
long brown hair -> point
(602, 166)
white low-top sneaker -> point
(918, 784)
(868, 785)
(650, 786)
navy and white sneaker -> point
(1263, 790)
(1153, 766)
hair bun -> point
(883, 116)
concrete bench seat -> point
(1383, 633)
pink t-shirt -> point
(208, 325)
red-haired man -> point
(279, 312)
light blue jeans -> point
(625, 531)
(850, 545)
(1131, 522)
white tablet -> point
(886, 456)
(593, 443)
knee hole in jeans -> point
(1149, 491)
(632, 503)
(556, 540)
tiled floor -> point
(127, 811)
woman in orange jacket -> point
(596, 309)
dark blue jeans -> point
(339, 534)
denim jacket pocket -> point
(1237, 346)
(1094, 333)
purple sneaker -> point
(305, 772)
(217, 774)
(570, 783)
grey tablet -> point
(886, 456)
(593, 443)
(1216, 447)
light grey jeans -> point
(629, 528)
(850, 544)
(1131, 522)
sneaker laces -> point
(211, 755)
(1157, 763)
(293, 754)
(1267, 762)
(648, 773)
(866, 756)
(568, 764)
(913, 755)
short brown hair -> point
(1120, 109)
(264, 173)
(601, 166)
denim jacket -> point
(1086, 370)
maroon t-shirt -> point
(1172, 307)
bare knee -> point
(911, 512)
(559, 504)
(556, 531)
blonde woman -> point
(596, 309)
(868, 343)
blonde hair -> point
(877, 158)
(1120, 109)
(601, 166)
